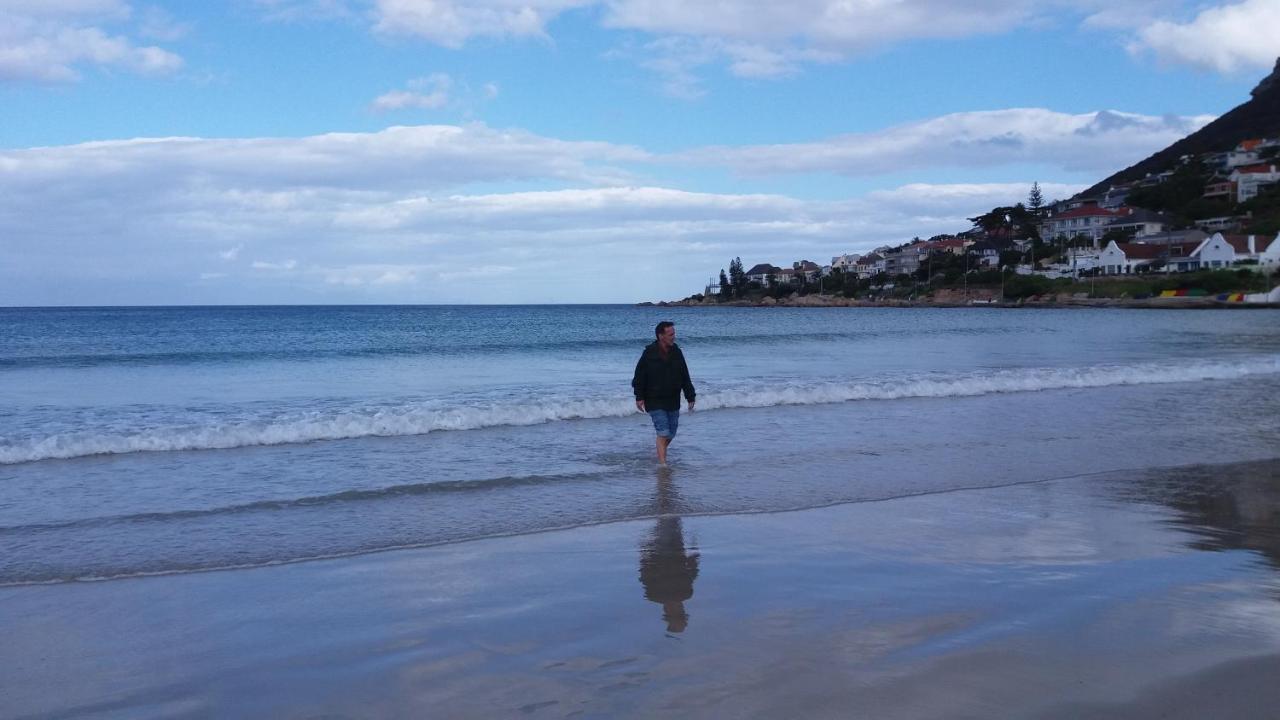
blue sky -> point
(438, 151)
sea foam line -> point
(418, 420)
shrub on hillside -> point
(1017, 287)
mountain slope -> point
(1259, 117)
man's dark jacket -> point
(658, 381)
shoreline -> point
(1130, 595)
(828, 301)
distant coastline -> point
(974, 299)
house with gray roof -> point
(1139, 222)
(763, 273)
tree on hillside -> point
(833, 283)
(724, 284)
(1007, 222)
(1176, 193)
(1265, 209)
(738, 277)
(1035, 199)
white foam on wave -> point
(420, 420)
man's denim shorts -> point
(665, 422)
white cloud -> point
(552, 209)
(279, 172)
(158, 24)
(52, 9)
(677, 59)
(430, 92)
(286, 265)
(757, 39)
(1125, 16)
(962, 197)
(49, 42)
(302, 10)
(411, 214)
(1097, 142)
(1225, 38)
(824, 24)
(451, 23)
(481, 271)
(370, 274)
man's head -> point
(666, 333)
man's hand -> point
(690, 407)
(640, 406)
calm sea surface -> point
(157, 440)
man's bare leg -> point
(662, 449)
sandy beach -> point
(1135, 595)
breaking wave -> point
(419, 419)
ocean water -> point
(137, 441)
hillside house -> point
(763, 273)
(1250, 179)
(902, 262)
(1138, 222)
(955, 246)
(868, 266)
(1178, 248)
(1216, 252)
(844, 263)
(811, 271)
(1090, 221)
(1223, 224)
(1220, 187)
(1263, 250)
(1128, 258)
(1115, 196)
(986, 253)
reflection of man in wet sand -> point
(667, 571)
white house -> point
(844, 262)
(902, 262)
(985, 254)
(763, 273)
(1225, 223)
(1138, 222)
(1115, 196)
(1268, 253)
(1191, 253)
(1083, 259)
(1249, 179)
(1089, 220)
(1247, 152)
(811, 270)
(1126, 258)
(1264, 250)
(1216, 252)
(955, 246)
(869, 266)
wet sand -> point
(1125, 595)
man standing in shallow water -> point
(661, 374)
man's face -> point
(668, 336)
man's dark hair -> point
(662, 327)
